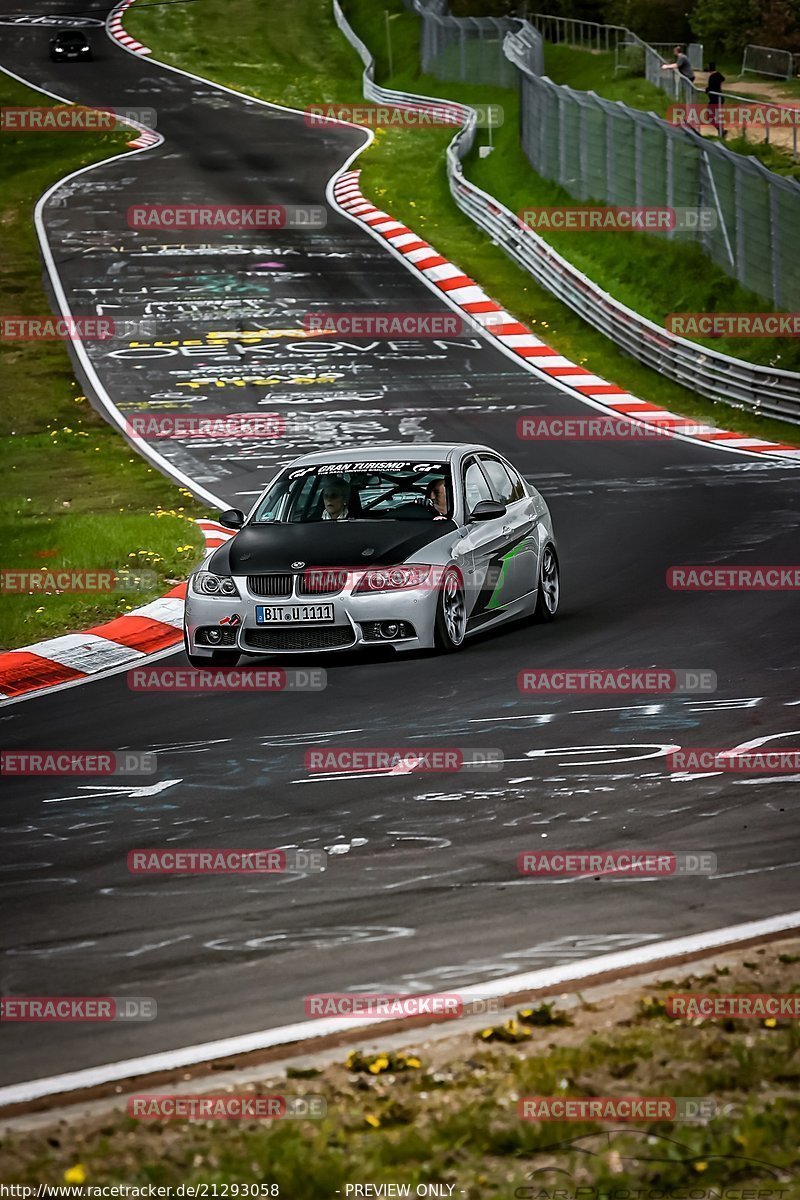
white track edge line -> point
(113, 413)
(302, 1031)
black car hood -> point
(262, 548)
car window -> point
(396, 491)
(520, 492)
(475, 486)
(499, 478)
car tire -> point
(450, 625)
(548, 588)
(218, 658)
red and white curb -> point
(464, 293)
(154, 627)
(117, 30)
(148, 137)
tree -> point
(726, 26)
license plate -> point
(293, 614)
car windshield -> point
(391, 491)
(71, 37)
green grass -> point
(447, 1113)
(236, 45)
(587, 71)
(72, 493)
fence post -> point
(740, 243)
(775, 247)
(610, 189)
(670, 172)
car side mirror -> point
(487, 510)
(232, 518)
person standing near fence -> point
(716, 98)
(682, 64)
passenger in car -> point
(335, 498)
(436, 495)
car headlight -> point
(59, 49)
(84, 49)
(392, 579)
(206, 584)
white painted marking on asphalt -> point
(92, 791)
(184, 937)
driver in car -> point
(335, 497)
(436, 497)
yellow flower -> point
(373, 1121)
(76, 1174)
(770, 1022)
(700, 1167)
(413, 1062)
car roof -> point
(419, 452)
(72, 35)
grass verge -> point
(445, 1111)
(73, 495)
(274, 58)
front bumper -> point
(354, 618)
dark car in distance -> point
(70, 44)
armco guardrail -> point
(717, 376)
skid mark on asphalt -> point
(550, 953)
(316, 939)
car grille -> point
(321, 582)
(309, 638)
(316, 582)
(270, 585)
